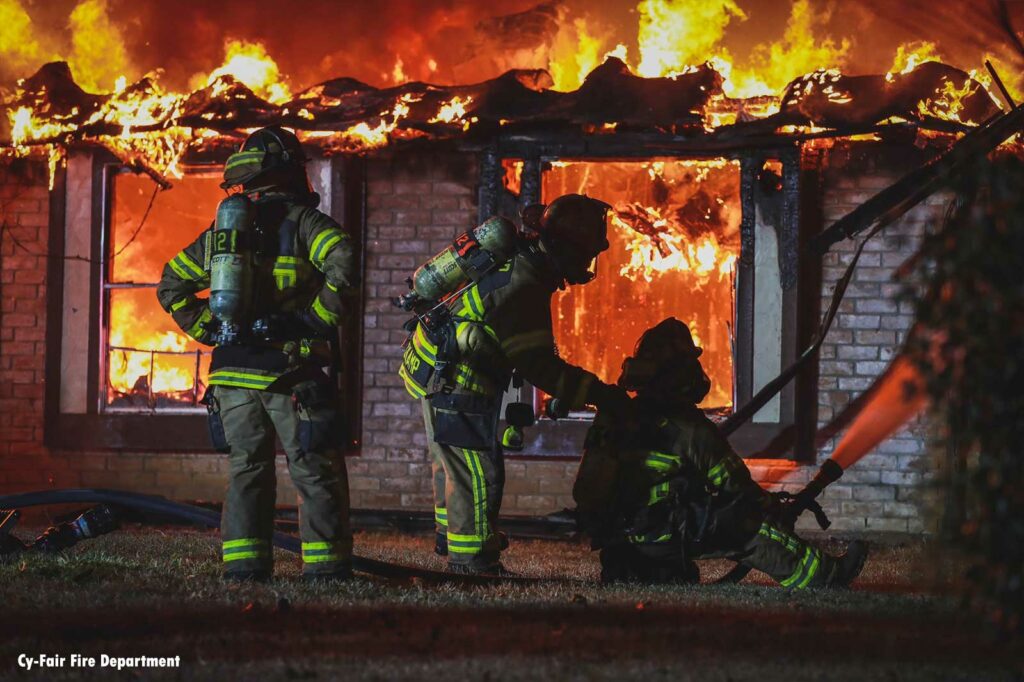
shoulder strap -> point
(496, 279)
(208, 245)
(288, 231)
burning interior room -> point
(720, 173)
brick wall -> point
(24, 210)
(416, 204)
(25, 463)
(885, 490)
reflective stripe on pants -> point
(251, 419)
(468, 485)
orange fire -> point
(250, 64)
(703, 257)
(674, 242)
(672, 37)
(675, 36)
(454, 111)
(150, 361)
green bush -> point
(968, 285)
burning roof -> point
(152, 129)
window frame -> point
(109, 172)
(791, 437)
(174, 430)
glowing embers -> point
(150, 363)
(674, 236)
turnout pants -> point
(468, 486)
(250, 419)
(789, 560)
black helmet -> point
(268, 149)
(574, 230)
(665, 362)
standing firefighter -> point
(462, 351)
(279, 272)
(677, 491)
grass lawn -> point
(157, 592)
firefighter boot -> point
(240, 576)
(848, 566)
(440, 544)
(484, 563)
(339, 575)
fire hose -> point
(161, 506)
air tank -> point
(462, 260)
(230, 264)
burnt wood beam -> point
(490, 184)
(892, 202)
(789, 235)
(744, 324)
(530, 182)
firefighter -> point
(673, 490)
(500, 324)
(270, 378)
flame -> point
(676, 34)
(98, 54)
(910, 55)
(250, 64)
(19, 47)
(398, 72)
(576, 52)
(140, 112)
(139, 122)
(362, 135)
(669, 249)
(157, 362)
(1004, 70)
(948, 102)
(674, 239)
(95, 50)
(799, 51)
(453, 110)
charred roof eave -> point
(649, 115)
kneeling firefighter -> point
(471, 332)
(279, 273)
(678, 491)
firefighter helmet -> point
(665, 361)
(574, 230)
(270, 149)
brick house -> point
(97, 389)
(407, 204)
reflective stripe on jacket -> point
(305, 261)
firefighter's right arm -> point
(184, 276)
(527, 340)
